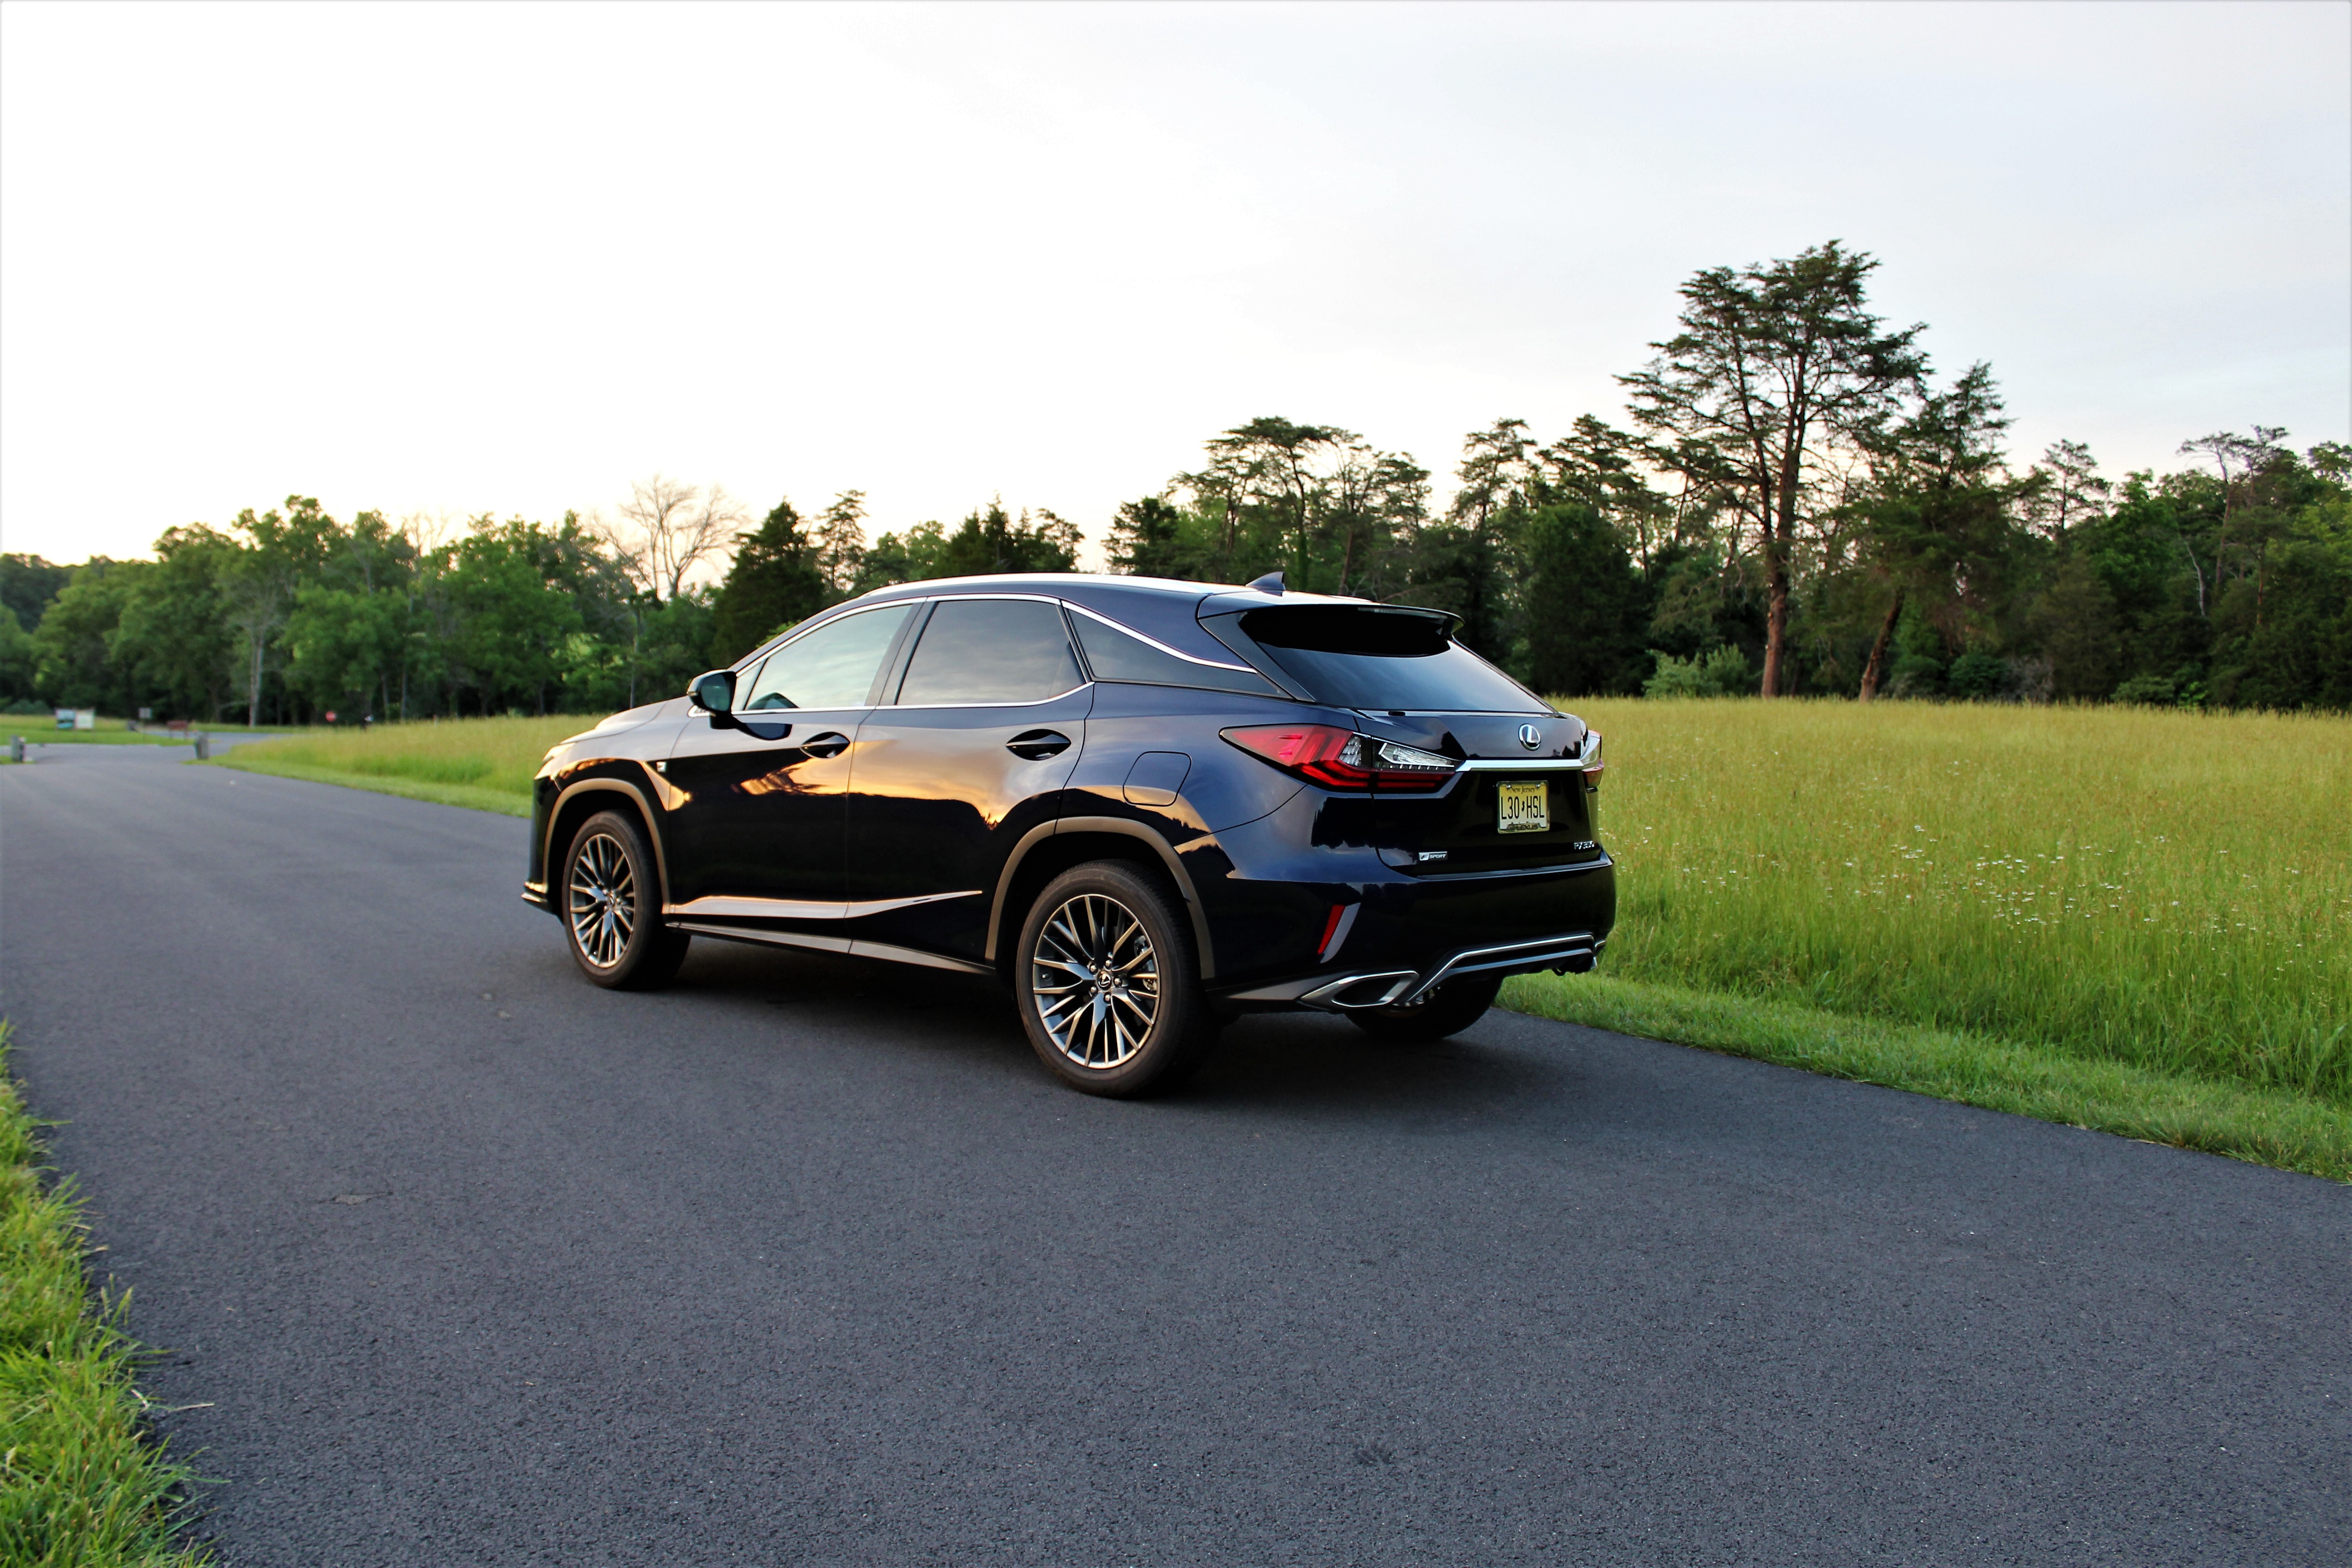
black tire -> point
(1107, 982)
(1449, 1009)
(609, 898)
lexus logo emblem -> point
(1530, 737)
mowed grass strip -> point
(2169, 891)
(81, 1481)
(486, 764)
(2269, 1127)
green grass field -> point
(2080, 887)
(79, 1482)
(484, 763)
(2130, 918)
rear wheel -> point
(612, 906)
(1448, 1010)
(1106, 982)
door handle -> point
(832, 743)
(1036, 745)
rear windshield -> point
(1373, 658)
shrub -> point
(2146, 690)
(1717, 672)
(1974, 677)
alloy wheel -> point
(1094, 977)
(602, 903)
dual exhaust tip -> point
(1401, 987)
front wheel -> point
(1108, 989)
(612, 907)
(1449, 1009)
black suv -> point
(1149, 805)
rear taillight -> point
(1592, 762)
(1341, 759)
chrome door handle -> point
(1036, 745)
(832, 743)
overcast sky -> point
(463, 258)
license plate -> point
(1523, 807)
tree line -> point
(1793, 502)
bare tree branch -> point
(666, 529)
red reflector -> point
(1323, 948)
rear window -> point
(1373, 658)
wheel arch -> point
(586, 797)
(1051, 848)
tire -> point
(1451, 1008)
(1148, 1030)
(610, 903)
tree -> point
(1587, 607)
(666, 529)
(1934, 515)
(27, 583)
(1262, 478)
(991, 542)
(1778, 369)
(2070, 492)
(841, 541)
(1147, 539)
(175, 637)
(775, 581)
(74, 666)
(2239, 459)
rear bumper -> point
(1407, 936)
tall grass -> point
(2171, 890)
(499, 757)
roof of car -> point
(1163, 608)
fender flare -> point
(1124, 829)
(609, 785)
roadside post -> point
(203, 747)
(16, 748)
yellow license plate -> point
(1523, 808)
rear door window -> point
(990, 651)
(831, 666)
(1373, 658)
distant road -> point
(459, 1260)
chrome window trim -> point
(939, 706)
(1155, 643)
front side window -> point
(990, 651)
(832, 666)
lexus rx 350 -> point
(1147, 805)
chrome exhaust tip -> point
(1350, 991)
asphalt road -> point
(460, 1260)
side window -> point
(1113, 655)
(832, 666)
(990, 651)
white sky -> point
(467, 257)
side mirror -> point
(714, 692)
